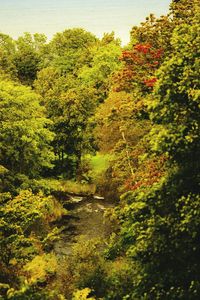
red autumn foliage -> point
(143, 48)
(140, 65)
(150, 82)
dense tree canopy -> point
(76, 103)
(160, 222)
(24, 138)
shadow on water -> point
(85, 217)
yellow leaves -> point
(82, 294)
(27, 205)
(3, 170)
(189, 138)
(4, 286)
(40, 268)
(158, 134)
(13, 262)
(194, 94)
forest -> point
(84, 118)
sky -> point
(96, 16)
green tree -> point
(183, 11)
(69, 50)
(72, 112)
(24, 138)
(160, 223)
(50, 84)
(28, 56)
(105, 61)
(69, 105)
(7, 52)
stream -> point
(85, 217)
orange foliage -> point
(147, 174)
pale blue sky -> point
(97, 16)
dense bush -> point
(25, 236)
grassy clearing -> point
(77, 187)
(99, 164)
(50, 185)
